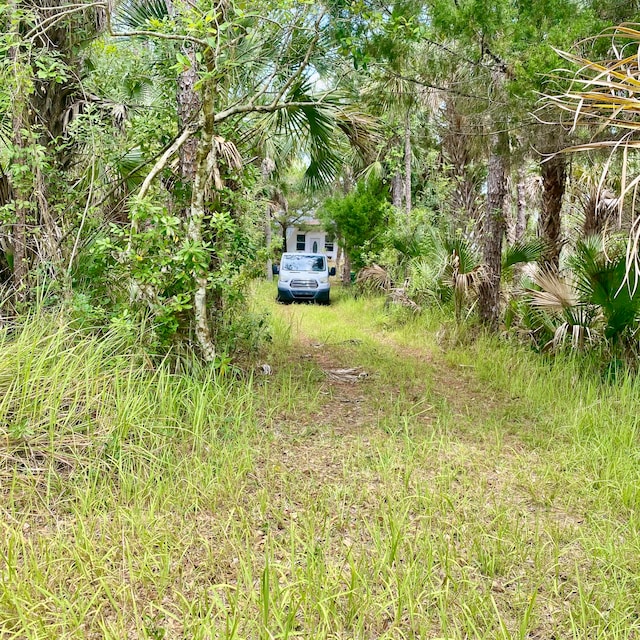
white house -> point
(310, 237)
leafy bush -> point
(594, 301)
(359, 219)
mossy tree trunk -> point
(205, 166)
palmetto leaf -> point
(309, 122)
(5, 127)
(140, 14)
(322, 170)
(587, 259)
(555, 294)
(523, 251)
(128, 168)
(412, 243)
(463, 270)
(601, 280)
(228, 151)
(362, 130)
(462, 253)
(465, 282)
(579, 331)
(374, 278)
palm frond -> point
(411, 243)
(523, 251)
(375, 170)
(580, 332)
(555, 294)
(128, 167)
(228, 151)
(462, 253)
(425, 280)
(465, 282)
(5, 127)
(601, 280)
(374, 278)
(140, 14)
(322, 171)
(361, 130)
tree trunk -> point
(267, 168)
(346, 266)
(346, 269)
(509, 217)
(554, 175)
(521, 215)
(493, 231)
(397, 185)
(188, 109)
(407, 163)
(20, 196)
(198, 163)
(205, 166)
(267, 240)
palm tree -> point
(256, 80)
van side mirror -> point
(275, 269)
(332, 271)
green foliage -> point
(359, 220)
(523, 251)
(601, 279)
(595, 301)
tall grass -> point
(469, 491)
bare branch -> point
(47, 23)
(164, 158)
(162, 36)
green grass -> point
(472, 491)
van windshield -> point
(298, 262)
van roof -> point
(302, 253)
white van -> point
(304, 276)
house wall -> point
(311, 236)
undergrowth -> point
(465, 488)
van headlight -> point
(284, 279)
(323, 280)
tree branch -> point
(164, 158)
(49, 21)
(304, 63)
(162, 36)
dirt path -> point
(409, 424)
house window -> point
(328, 243)
(301, 242)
